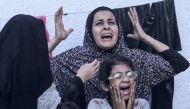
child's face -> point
(121, 79)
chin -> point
(107, 47)
(126, 98)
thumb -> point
(94, 62)
(69, 31)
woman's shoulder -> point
(141, 104)
(67, 54)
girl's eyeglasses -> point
(131, 75)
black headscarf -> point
(24, 63)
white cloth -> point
(49, 99)
(103, 104)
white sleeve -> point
(144, 104)
(94, 104)
(49, 99)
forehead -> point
(120, 68)
(105, 14)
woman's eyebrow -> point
(99, 20)
(110, 19)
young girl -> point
(117, 78)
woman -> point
(24, 63)
(103, 37)
(117, 77)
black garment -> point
(127, 28)
(24, 63)
(177, 61)
(159, 21)
(75, 93)
(163, 93)
(164, 11)
(68, 105)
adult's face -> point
(105, 29)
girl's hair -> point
(108, 63)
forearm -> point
(157, 45)
(176, 60)
(52, 44)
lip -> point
(106, 36)
(125, 89)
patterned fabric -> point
(151, 69)
(103, 104)
(49, 99)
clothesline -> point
(65, 14)
(74, 13)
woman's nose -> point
(106, 26)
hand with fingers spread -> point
(88, 71)
(60, 32)
(131, 101)
(138, 33)
(117, 98)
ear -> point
(104, 86)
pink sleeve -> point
(43, 18)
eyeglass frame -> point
(121, 76)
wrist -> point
(144, 37)
(57, 39)
(83, 80)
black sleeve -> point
(75, 93)
(176, 60)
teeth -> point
(107, 34)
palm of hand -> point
(60, 31)
(138, 31)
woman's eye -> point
(98, 23)
(112, 23)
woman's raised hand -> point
(60, 32)
(138, 33)
(88, 71)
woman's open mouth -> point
(106, 36)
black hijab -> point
(24, 63)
